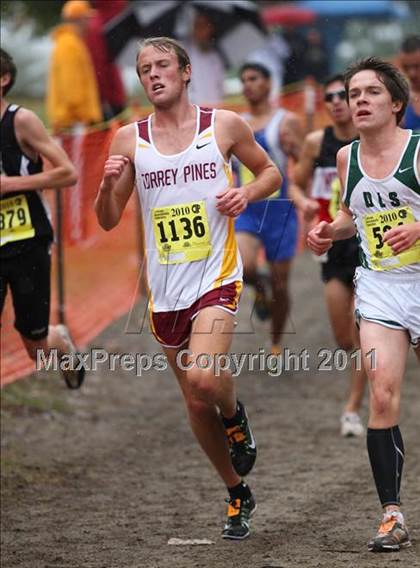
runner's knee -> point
(196, 407)
(280, 290)
(202, 383)
(382, 396)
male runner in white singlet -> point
(271, 223)
(381, 203)
(179, 160)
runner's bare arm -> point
(118, 179)
(235, 136)
(291, 139)
(245, 148)
(343, 225)
(32, 136)
(303, 170)
(291, 135)
(302, 173)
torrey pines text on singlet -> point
(190, 247)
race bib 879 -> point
(15, 220)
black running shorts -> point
(341, 263)
(28, 277)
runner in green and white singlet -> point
(381, 204)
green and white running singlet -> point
(387, 286)
(381, 204)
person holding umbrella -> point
(216, 35)
(179, 160)
(209, 71)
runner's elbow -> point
(277, 177)
(72, 176)
(66, 176)
(106, 222)
(106, 225)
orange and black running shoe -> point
(392, 534)
(239, 515)
(242, 446)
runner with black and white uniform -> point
(321, 198)
(26, 232)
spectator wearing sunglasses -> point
(316, 198)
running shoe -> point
(392, 534)
(72, 377)
(242, 447)
(239, 515)
(351, 425)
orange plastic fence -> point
(101, 271)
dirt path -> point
(103, 478)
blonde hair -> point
(165, 44)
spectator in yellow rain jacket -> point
(72, 94)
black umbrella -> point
(120, 30)
(226, 15)
(237, 24)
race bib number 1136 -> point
(181, 232)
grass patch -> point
(32, 395)
(36, 105)
(16, 475)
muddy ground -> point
(105, 476)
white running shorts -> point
(392, 300)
